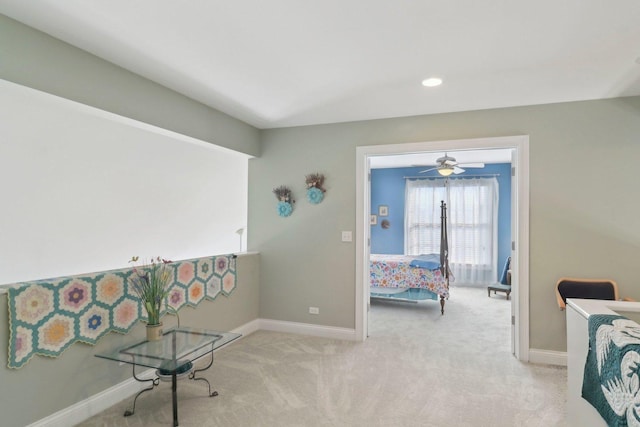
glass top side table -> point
(172, 356)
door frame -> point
(520, 262)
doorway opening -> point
(518, 147)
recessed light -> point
(432, 82)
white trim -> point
(521, 271)
(521, 144)
(248, 328)
(548, 357)
(363, 230)
(245, 253)
(95, 404)
(308, 329)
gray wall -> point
(47, 385)
(584, 200)
(34, 59)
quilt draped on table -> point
(611, 382)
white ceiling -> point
(284, 63)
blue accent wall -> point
(387, 189)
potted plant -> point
(151, 283)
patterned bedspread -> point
(394, 271)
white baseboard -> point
(308, 329)
(547, 357)
(248, 328)
(95, 404)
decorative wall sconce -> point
(285, 200)
(315, 190)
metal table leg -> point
(192, 375)
(174, 396)
(174, 387)
(154, 382)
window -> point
(472, 206)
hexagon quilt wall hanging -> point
(47, 316)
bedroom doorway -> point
(519, 218)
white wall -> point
(83, 190)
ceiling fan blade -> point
(471, 165)
(429, 170)
(457, 170)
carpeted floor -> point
(417, 368)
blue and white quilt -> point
(611, 380)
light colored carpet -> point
(417, 368)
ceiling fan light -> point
(446, 171)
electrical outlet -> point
(347, 236)
(314, 310)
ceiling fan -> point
(447, 165)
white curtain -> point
(472, 210)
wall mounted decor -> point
(374, 220)
(315, 189)
(385, 224)
(383, 210)
(285, 200)
(47, 316)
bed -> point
(412, 278)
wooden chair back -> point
(569, 287)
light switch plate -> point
(347, 236)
